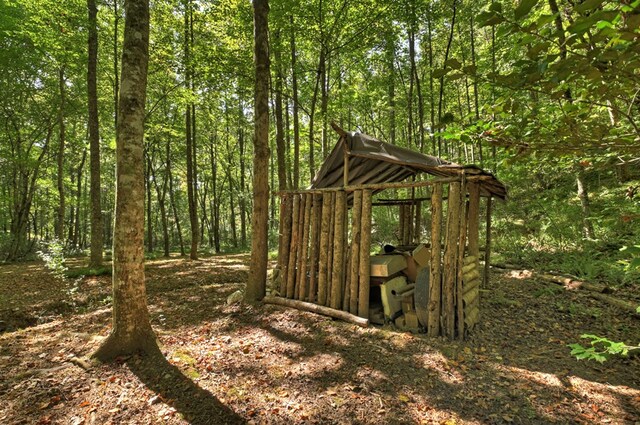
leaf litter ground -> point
(267, 364)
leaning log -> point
(315, 308)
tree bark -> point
(97, 239)
(131, 330)
(296, 120)
(60, 159)
(256, 285)
(583, 195)
(191, 184)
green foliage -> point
(53, 256)
(601, 349)
(87, 271)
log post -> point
(356, 213)
(462, 241)
(285, 240)
(474, 219)
(487, 247)
(330, 252)
(450, 260)
(291, 273)
(314, 248)
(417, 231)
(306, 229)
(402, 224)
(337, 272)
(365, 251)
(323, 265)
(299, 258)
(435, 273)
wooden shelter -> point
(325, 231)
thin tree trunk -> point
(296, 119)
(583, 195)
(172, 200)
(242, 202)
(280, 144)
(148, 204)
(446, 57)
(256, 285)
(60, 159)
(191, 192)
(97, 228)
(76, 223)
(131, 330)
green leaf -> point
(524, 7)
(470, 69)
(440, 72)
(453, 63)
(588, 5)
(496, 7)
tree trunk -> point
(131, 330)
(296, 121)
(242, 202)
(76, 223)
(60, 159)
(147, 181)
(583, 194)
(256, 285)
(280, 145)
(191, 184)
(95, 259)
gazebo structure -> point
(324, 253)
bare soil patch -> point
(271, 365)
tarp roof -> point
(372, 161)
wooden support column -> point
(365, 251)
(450, 260)
(306, 230)
(291, 273)
(330, 251)
(487, 247)
(323, 265)
(435, 272)
(474, 219)
(402, 216)
(356, 220)
(316, 214)
(337, 272)
(300, 259)
(462, 241)
(417, 231)
(285, 241)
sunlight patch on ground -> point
(438, 363)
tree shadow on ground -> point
(197, 405)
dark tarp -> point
(372, 161)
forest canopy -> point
(543, 93)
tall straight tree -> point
(94, 137)
(131, 330)
(190, 130)
(256, 285)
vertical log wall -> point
(324, 257)
(324, 252)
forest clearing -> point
(244, 364)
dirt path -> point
(243, 364)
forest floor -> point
(266, 364)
